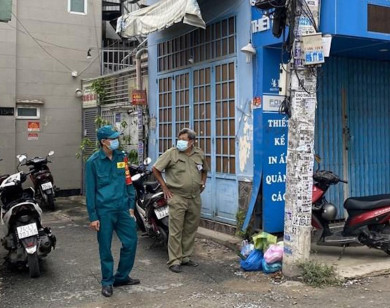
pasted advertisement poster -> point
(32, 136)
(33, 126)
(90, 98)
(274, 164)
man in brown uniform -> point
(186, 172)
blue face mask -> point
(182, 145)
(114, 144)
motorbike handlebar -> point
(342, 181)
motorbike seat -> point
(367, 202)
(3, 177)
(152, 186)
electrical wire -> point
(309, 14)
(39, 44)
(36, 40)
(96, 34)
(46, 42)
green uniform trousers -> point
(124, 225)
(184, 216)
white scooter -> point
(25, 238)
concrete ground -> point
(355, 262)
(71, 276)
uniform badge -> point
(121, 165)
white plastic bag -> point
(246, 248)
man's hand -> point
(131, 211)
(95, 225)
(167, 193)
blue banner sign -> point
(274, 169)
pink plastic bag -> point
(273, 254)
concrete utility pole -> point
(300, 152)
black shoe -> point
(128, 282)
(107, 291)
(175, 268)
(190, 263)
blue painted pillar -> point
(269, 129)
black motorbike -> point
(25, 238)
(43, 181)
(151, 208)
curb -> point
(229, 241)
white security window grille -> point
(27, 112)
(118, 85)
(108, 115)
(116, 59)
(77, 6)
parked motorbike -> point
(368, 217)
(26, 239)
(151, 209)
(43, 180)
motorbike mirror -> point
(136, 177)
(21, 158)
(147, 161)
(50, 153)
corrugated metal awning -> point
(159, 16)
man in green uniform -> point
(110, 204)
(186, 172)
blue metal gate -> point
(352, 126)
(204, 98)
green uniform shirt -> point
(106, 185)
(183, 173)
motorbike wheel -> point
(139, 220)
(163, 237)
(33, 265)
(50, 202)
(386, 230)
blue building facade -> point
(352, 121)
(201, 80)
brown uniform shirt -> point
(183, 173)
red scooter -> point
(368, 217)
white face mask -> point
(112, 144)
(182, 145)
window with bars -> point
(211, 112)
(225, 118)
(201, 97)
(202, 109)
(217, 40)
(165, 114)
(182, 101)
